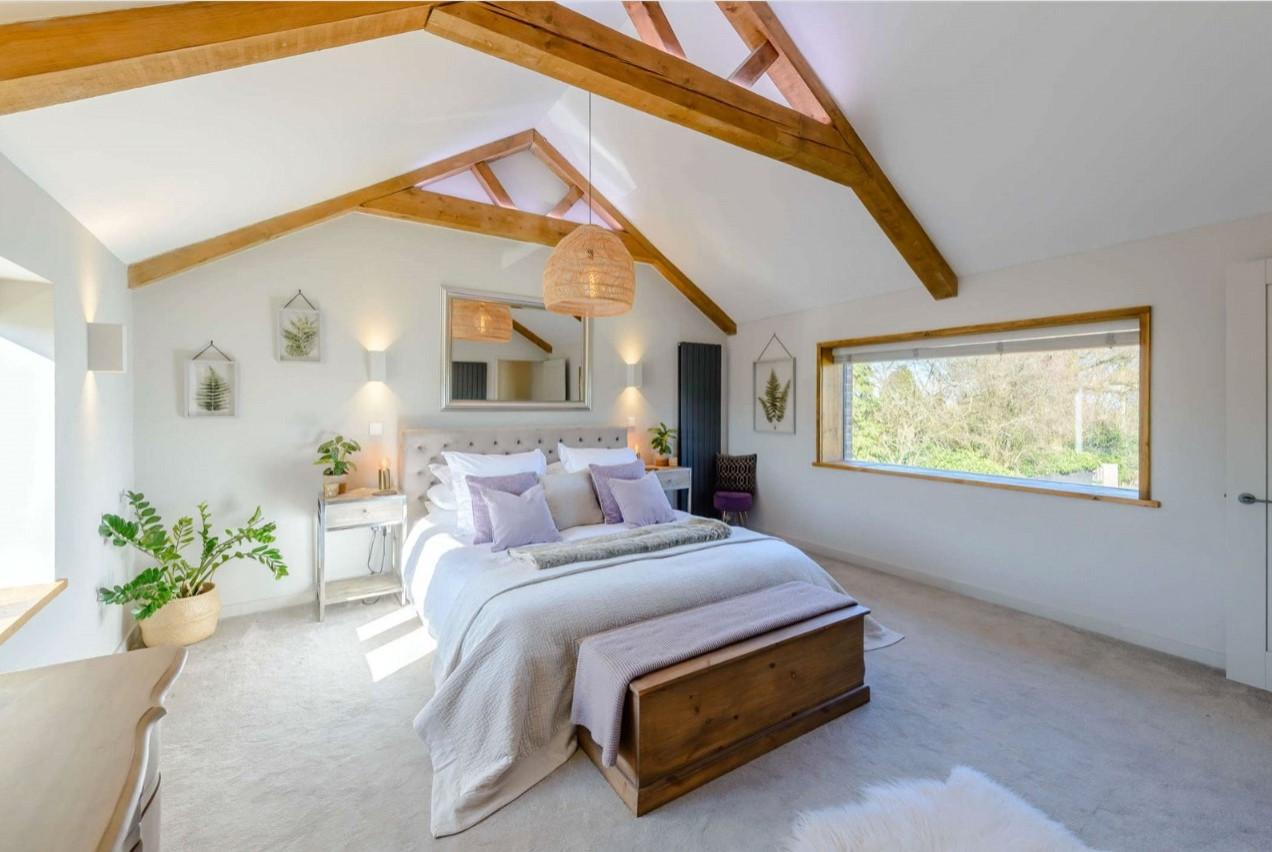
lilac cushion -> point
(601, 476)
(733, 501)
(642, 501)
(508, 483)
(517, 519)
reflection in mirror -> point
(26, 427)
(509, 352)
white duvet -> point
(508, 637)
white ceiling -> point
(1015, 132)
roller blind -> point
(1123, 332)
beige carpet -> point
(279, 738)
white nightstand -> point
(360, 509)
(675, 479)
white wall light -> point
(105, 347)
(635, 375)
(377, 368)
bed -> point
(507, 635)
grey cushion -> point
(571, 499)
(517, 519)
(642, 501)
(601, 477)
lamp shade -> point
(635, 375)
(482, 322)
(590, 274)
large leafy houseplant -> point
(175, 577)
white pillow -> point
(579, 459)
(442, 472)
(464, 465)
(443, 497)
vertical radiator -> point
(699, 416)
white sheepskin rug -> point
(967, 813)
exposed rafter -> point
(179, 260)
(564, 44)
(66, 59)
(476, 217)
(532, 337)
(402, 198)
(654, 28)
(755, 66)
(486, 177)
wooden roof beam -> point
(494, 189)
(564, 169)
(532, 337)
(653, 27)
(755, 65)
(447, 211)
(178, 260)
(82, 56)
(570, 47)
(566, 203)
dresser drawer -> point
(363, 513)
(674, 477)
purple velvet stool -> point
(735, 505)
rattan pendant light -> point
(481, 322)
(590, 273)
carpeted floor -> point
(288, 734)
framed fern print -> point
(299, 332)
(211, 388)
(774, 390)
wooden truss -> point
(405, 197)
(64, 59)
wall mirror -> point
(508, 352)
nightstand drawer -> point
(362, 513)
(674, 477)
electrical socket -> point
(376, 430)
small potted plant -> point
(334, 454)
(177, 602)
(661, 442)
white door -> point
(1248, 478)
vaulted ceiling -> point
(1014, 132)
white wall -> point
(378, 283)
(1150, 576)
(93, 445)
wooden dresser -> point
(79, 752)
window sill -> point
(1028, 486)
(19, 603)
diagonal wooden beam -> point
(568, 46)
(804, 90)
(755, 65)
(494, 189)
(532, 337)
(179, 260)
(446, 211)
(653, 27)
(65, 59)
(565, 170)
(567, 202)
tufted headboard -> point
(417, 448)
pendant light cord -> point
(590, 187)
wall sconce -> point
(105, 347)
(634, 375)
(377, 369)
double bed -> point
(508, 634)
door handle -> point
(1248, 499)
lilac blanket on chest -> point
(609, 662)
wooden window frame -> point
(1143, 314)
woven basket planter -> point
(183, 621)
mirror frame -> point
(515, 301)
